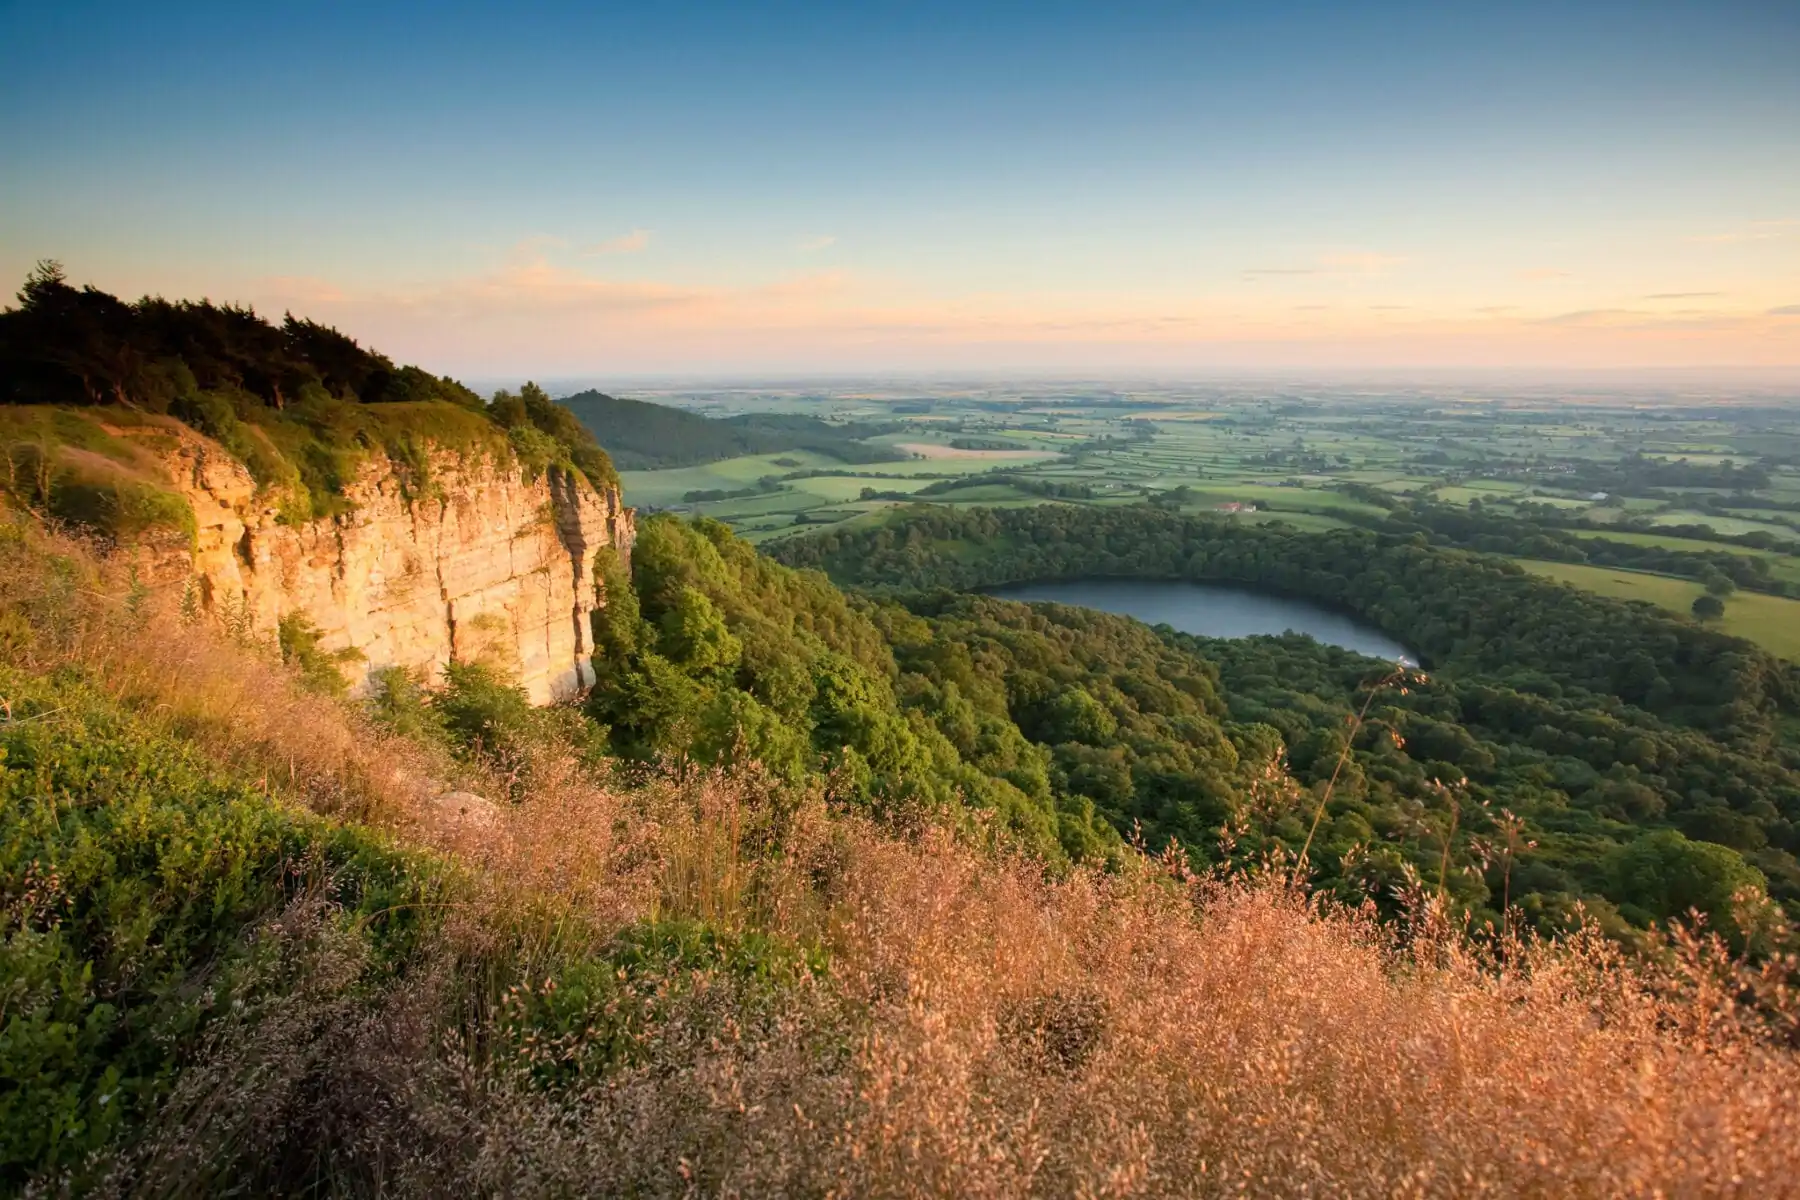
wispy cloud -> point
(1755, 231)
(540, 292)
(812, 284)
(1592, 316)
(1683, 295)
(823, 241)
(1353, 262)
(629, 243)
(519, 289)
(1362, 262)
(532, 249)
(1639, 321)
(1543, 274)
(547, 312)
(305, 289)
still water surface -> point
(1214, 610)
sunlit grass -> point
(1772, 622)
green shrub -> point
(536, 451)
(399, 701)
(490, 719)
(600, 1014)
(131, 877)
(575, 448)
(1664, 875)
(320, 670)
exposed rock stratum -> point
(481, 564)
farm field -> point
(1614, 467)
(1781, 566)
(1772, 622)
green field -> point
(1729, 526)
(1784, 567)
(665, 489)
(1485, 490)
(661, 488)
(1588, 461)
(1310, 522)
(1772, 622)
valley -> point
(904, 600)
(382, 766)
(1597, 480)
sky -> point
(729, 189)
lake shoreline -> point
(1211, 609)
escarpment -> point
(473, 562)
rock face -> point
(486, 566)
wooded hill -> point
(644, 437)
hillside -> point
(900, 890)
(1595, 731)
(696, 979)
(643, 436)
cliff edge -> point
(480, 564)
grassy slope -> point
(151, 869)
(65, 462)
(96, 466)
(1772, 622)
(938, 1038)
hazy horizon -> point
(1158, 191)
(1781, 383)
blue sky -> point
(699, 188)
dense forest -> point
(642, 436)
(710, 652)
(1563, 749)
(301, 404)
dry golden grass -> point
(982, 1030)
(231, 698)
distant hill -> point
(643, 436)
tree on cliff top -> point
(75, 346)
(300, 403)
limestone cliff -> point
(481, 565)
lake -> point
(1214, 610)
